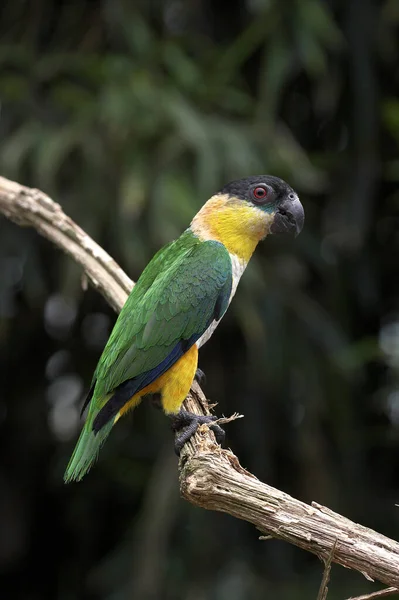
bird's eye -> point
(260, 193)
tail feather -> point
(86, 450)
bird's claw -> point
(200, 377)
(189, 423)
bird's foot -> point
(185, 424)
(200, 377)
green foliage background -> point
(131, 114)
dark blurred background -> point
(130, 115)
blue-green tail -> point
(86, 450)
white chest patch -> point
(238, 266)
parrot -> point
(174, 308)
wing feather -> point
(176, 304)
(185, 286)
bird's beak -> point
(289, 217)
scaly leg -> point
(185, 424)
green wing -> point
(175, 303)
(185, 286)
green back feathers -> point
(174, 299)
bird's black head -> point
(272, 195)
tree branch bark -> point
(32, 208)
(211, 477)
(377, 595)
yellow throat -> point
(233, 222)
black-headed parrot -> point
(176, 305)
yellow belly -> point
(173, 386)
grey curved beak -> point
(289, 217)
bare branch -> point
(323, 591)
(209, 476)
(214, 479)
(30, 207)
(380, 594)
